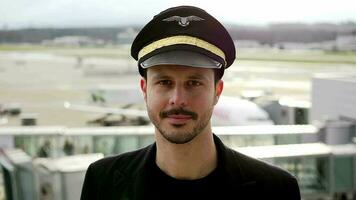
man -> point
(182, 54)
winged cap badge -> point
(183, 21)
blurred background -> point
(69, 90)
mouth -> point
(178, 119)
(178, 116)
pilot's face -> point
(180, 100)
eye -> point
(165, 82)
(194, 83)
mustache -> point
(178, 111)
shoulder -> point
(106, 175)
(258, 169)
(262, 179)
(247, 167)
(122, 162)
(256, 179)
(268, 179)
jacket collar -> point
(137, 172)
(229, 161)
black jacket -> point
(126, 177)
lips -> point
(178, 119)
(178, 116)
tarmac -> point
(40, 82)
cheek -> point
(203, 101)
(154, 100)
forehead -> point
(179, 71)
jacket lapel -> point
(131, 181)
(233, 173)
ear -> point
(218, 90)
(143, 85)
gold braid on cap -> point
(181, 39)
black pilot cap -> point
(184, 28)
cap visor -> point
(185, 58)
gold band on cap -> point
(181, 39)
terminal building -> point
(315, 142)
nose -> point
(178, 97)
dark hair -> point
(218, 74)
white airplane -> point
(10, 109)
(3, 121)
(229, 111)
(233, 111)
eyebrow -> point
(194, 76)
(198, 76)
(160, 76)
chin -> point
(178, 135)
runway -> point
(40, 81)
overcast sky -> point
(84, 13)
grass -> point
(104, 52)
(305, 56)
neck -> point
(192, 160)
